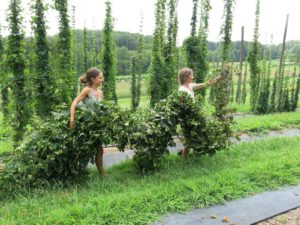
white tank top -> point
(188, 90)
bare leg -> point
(99, 161)
(184, 152)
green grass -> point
(126, 102)
(123, 89)
(244, 108)
(123, 197)
(124, 94)
(267, 122)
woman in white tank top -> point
(185, 78)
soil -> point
(289, 218)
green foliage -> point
(4, 82)
(202, 65)
(140, 59)
(226, 30)
(272, 107)
(155, 81)
(53, 152)
(108, 56)
(1, 46)
(124, 56)
(192, 50)
(150, 137)
(194, 18)
(85, 51)
(296, 94)
(136, 70)
(244, 88)
(64, 53)
(221, 100)
(232, 91)
(170, 52)
(262, 105)
(134, 94)
(240, 73)
(196, 45)
(202, 133)
(43, 78)
(253, 59)
(281, 93)
(158, 62)
(15, 63)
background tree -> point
(222, 88)
(16, 65)
(74, 47)
(296, 93)
(191, 44)
(194, 18)
(85, 50)
(253, 61)
(202, 65)
(262, 105)
(140, 59)
(240, 74)
(158, 72)
(64, 49)
(4, 82)
(272, 107)
(108, 56)
(226, 31)
(281, 93)
(170, 51)
(43, 80)
(244, 89)
(134, 69)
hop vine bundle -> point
(55, 153)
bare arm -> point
(84, 93)
(208, 83)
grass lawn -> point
(126, 102)
(123, 197)
(123, 88)
(267, 122)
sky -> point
(127, 14)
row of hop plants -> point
(52, 152)
(288, 96)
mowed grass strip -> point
(123, 197)
(274, 121)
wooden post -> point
(279, 80)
